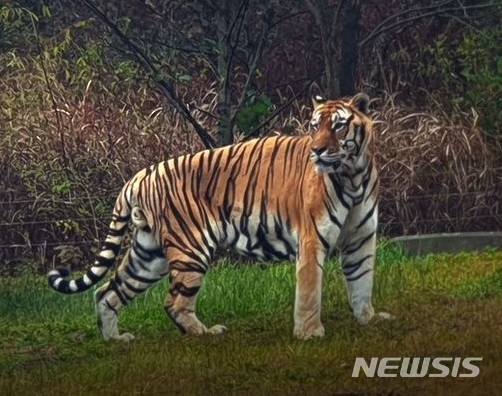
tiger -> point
(279, 197)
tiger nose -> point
(319, 150)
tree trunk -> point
(349, 15)
(331, 63)
(339, 28)
(224, 110)
(326, 17)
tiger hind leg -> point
(108, 304)
(143, 265)
(181, 300)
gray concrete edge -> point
(418, 245)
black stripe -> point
(183, 266)
(133, 288)
(375, 184)
(353, 267)
(215, 170)
(111, 308)
(332, 216)
(117, 232)
(139, 278)
(182, 222)
(186, 291)
(368, 215)
(338, 190)
(288, 155)
(133, 264)
(278, 231)
(173, 318)
(81, 286)
(111, 246)
(113, 286)
(267, 248)
(146, 229)
(358, 276)
(353, 248)
(208, 225)
(105, 262)
(93, 277)
(180, 288)
(321, 237)
(121, 219)
(152, 253)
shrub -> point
(469, 71)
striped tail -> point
(106, 257)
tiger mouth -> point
(335, 163)
(327, 165)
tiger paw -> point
(124, 337)
(217, 329)
(379, 316)
(307, 334)
(365, 314)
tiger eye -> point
(349, 145)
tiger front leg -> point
(309, 271)
(181, 301)
(357, 260)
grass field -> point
(445, 306)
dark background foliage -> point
(92, 91)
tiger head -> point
(341, 133)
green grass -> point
(446, 305)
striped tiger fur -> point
(274, 198)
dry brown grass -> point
(438, 172)
(62, 165)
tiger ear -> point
(361, 102)
(317, 100)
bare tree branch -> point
(238, 20)
(465, 23)
(253, 64)
(286, 17)
(409, 11)
(154, 73)
(382, 28)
